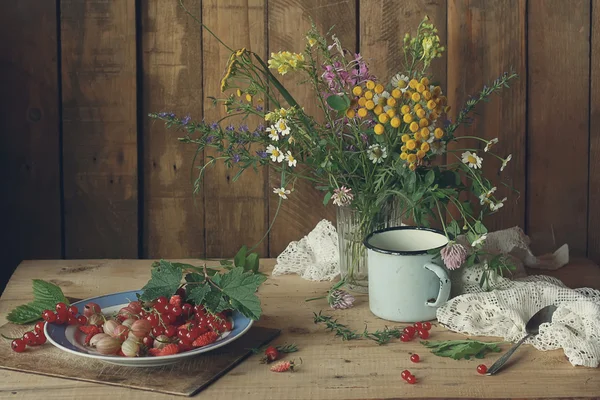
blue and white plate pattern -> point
(70, 339)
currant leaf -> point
(165, 281)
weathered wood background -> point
(87, 175)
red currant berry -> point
(181, 333)
(82, 320)
(482, 369)
(176, 311)
(72, 320)
(415, 358)
(197, 331)
(18, 345)
(170, 318)
(189, 337)
(29, 338)
(186, 309)
(40, 338)
(423, 334)
(39, 327)
(162, 300)
(61, 307)
(73, 310)
(148, 341)
(418, 325)
(411, 379)
(158, 330)
(49, 316)
(199, 309)
(405, 374)
(61, 318)
(161, 308)
(170, 331)
(427, 325)
(410, 331)
(153, 319)
(405, 338)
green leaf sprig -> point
(45, 295)
(332, 325)
(459, 349)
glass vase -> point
(352, 228)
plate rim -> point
(144, 360)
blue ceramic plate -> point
(70, 339)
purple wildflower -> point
(454, 255)
(236, 158)
(340, 299)
(342, 197)
(186, 120)
(214, 126)
(259, 108)
(350, 148)
(243, 128)
(230, 128)
(209, 139)
(261, 154)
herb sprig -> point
(459, 349)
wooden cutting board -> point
(185, 379)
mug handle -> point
(444, 293)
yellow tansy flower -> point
(423, 122)
(411, 144)
(379, 88)
(439, 133)
(403, 156)
(405, 138)
(379, 129)
(415, 97)
(383, 118)
(362, 112)
(420, 88)
(391, 101)
(368, 95)
(370, 85)
(403, 148)
(407, 118)
(357, 91)
(350, 113)
(417, 136)
(362, 101)
(396, 93)
(425, 147)
(420, 154)
(417, 107)
(395, 122)
(421, 113)
(433, 116)
(414, 127)
(370, 104)
(426, 95)
(431, 105)
(412, 167)
(425, 81)
(413, 83)
(391, 112)
(412, 158)
(378, 109)
(405, 109)
(424, 132)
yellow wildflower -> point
(396, 93)
(311, 41)
(427, 95)
(383, 118)
(425, 81)
(407, 118)
(403, 156)
(415, 97)
(362, 112)
(431, 105)
(439, 133)
(368, 95)
(350, 113)
(423, 122)
(425, 147)
(370, 85)
(362, 101)
(412, 166)
(421, 113)
(284, 61)
(411, 144)
(391, 101)
(391, 112)
(379, 88)
(405, 109)
(405, 138)
(395, 122)
(424, 132)
(403, 147)
(370, 104)
(420, 88)
(378, 109)
(379, 129)
(248, 97)
(420, 154)
(357, 91)
(413, 127)
(413, 83)
(238, 92)
(412, 158)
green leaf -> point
(212, 299)
(198, 293)
(327, 198)
(240, 258)
(453, 228)
(241, 288)
(338, 103)
(429, 178)
(226, 262)
(459, 349)
(165, 281)
(480, 228)
(411, 182)
(194, 277)
(252, 263)
(45, 295)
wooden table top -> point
(331, 368)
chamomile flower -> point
(400, 81)
(489, 144)
(282, 192)
(381, 99)
(505, 161)
(437, 147)
(479, 240)
(276, 154)
(471, 159)
(282, 127)
(272, 132)
(498, 205)
(377, 153)
(290, 159)
(485, 197)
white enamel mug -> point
(404, 284)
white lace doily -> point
(315, 257)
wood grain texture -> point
(236, 212)
(29, 139)
(331, 368)
(594, 151)
(557, 182)
(486, 39)
(99, 128)
(288, 22)
(173, 222)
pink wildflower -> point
(342, 196)
(454, 255)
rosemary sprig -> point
(332, 325)
(282, 348)
(383, 336)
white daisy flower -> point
(272, 132)
(381, 99)
(504, 162)
(489, 144)
(479, 240)
(471, 159)
(281, 192)
(276, 154)
(282, 127)
(437, 147)
(290, 159)
(396, 82)
(485, 197)
(498, 205)
(377, 153)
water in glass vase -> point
(352, 229)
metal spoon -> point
(532, 328)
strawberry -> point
(205, 339)
(283, 366)
(89, 337)
(184, 347)
(175, 300)
(87, 329)
(154, 351)
(169, 350)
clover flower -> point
(342, 197)
(454, 255)
(340, 299)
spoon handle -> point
(502, 360)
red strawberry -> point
(283, 366)
(175, 300)
(154, 351)
(87, 329)
(205, 339)
(89, 337)
(184, 347)
(169, 350)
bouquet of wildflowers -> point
(373, 140)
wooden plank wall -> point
(88, 175)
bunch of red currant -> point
(420, 329)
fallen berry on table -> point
(39, 327)
(18, 345)
(411, 379)
(415, 358)
(29, 338)
(427, 325)
(205, 339)
(40, 338)
(410, 331)
(271, 354)
(482, 369)
(405, 374)
(405, 338)
(418, 325)
(283, 366)
(423, 334)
